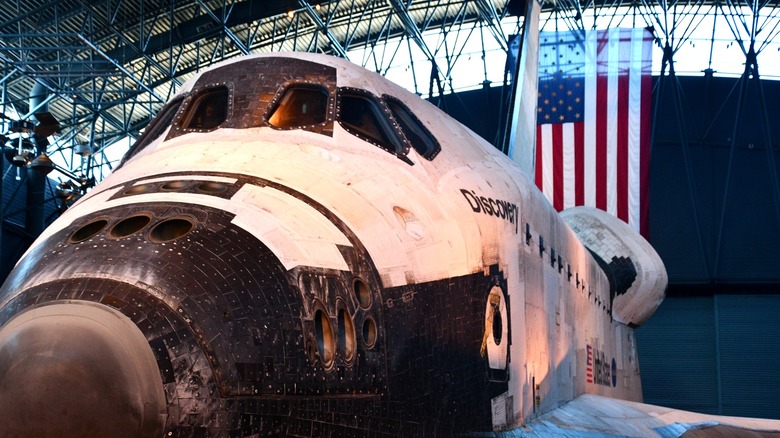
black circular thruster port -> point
(212, 187)
(139, 189)
(369, 332)
(362, 293)
(170, 229)
(346, 335)
(89, 230)
(173, 186)
(129, 226)
(325, 340)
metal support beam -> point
(63, 94)
(489, 16)
(42, 103)
(121, 36)
(413, 32)
(334, 43)
(243, 48)
(743, 87)
(152, 45)
(6, 77)
(769, 140)
(682, 129)
(120, 68)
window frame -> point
(386, 122)
(428, 155)
(273, 106)
(156, 128)
(193, 101)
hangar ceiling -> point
(105, 67)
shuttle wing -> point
(591, 415)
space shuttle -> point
(297, 246)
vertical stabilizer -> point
(521, 141)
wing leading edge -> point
(592, 416)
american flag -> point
(594, 120)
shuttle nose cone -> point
(78, 369)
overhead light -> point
(84, 182)
(65, 191)
(47, 124)
(42, 164)
(22, 155)
(19, 160)
(290, 14)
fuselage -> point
(301, 247)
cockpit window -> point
(156, 128)
(362, 116)
(421, 139)
(208, 110)
(300, 105)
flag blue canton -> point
(561, 100)
(561, 78)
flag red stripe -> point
(602, 83)
(557, 145)
(601, 143)
(579, 163)
(539, 165)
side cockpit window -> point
(300, 106)
(421, 139)
(156, 128)
(363, 117)
(208, 109)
